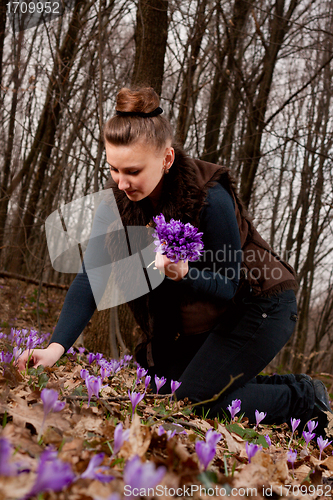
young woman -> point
(227, 314)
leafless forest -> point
(248, 84)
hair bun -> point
(143, 100)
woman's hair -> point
(125, 130)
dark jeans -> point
(249, 336)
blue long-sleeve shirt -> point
(215, 277)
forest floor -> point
(162, 432)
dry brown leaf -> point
(88, 424)
(21, 437)
(12, 488)
(275, 471)
(328, 462)
(251, 476)
(180, 450)
(201, 424)
(72, 450)
(302, 471)
(22, 414)
(329, 428)
(139, 440)
(234, 446)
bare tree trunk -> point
(222, 76)
(256, 120)
(3, 16)
(4, 197)
(46, 133)
(324, 325)
(188, 90)
(150, 42)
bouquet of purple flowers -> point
(176, 240)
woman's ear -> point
(169, 157)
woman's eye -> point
(129, 173)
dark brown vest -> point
(262, 268)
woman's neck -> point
(155, 195)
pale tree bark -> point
(257, 109)
(44, 139)
(150, 42)
(308, 270)
(225, 66)
(3, 17)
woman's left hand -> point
(175, 271)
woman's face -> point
(138, 169)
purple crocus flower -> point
(135, 398)
(91, 357)
(114, 366)
(174, 386)
(52, 474)
(234, 407)
(212, 437)
(176, 240)
(170, 433)
(140, 372)
(6, 467)
(84, 373)
(147, 381)
(159, 382)
(104, 371)
(119, 437)
(16, 353)
(322, 443)
(94, 471)
(98, 357)
(294, 424)
(81, 350)
(127, 359)
(268, 440)
(141, 475)
(308, 436)
(5, 357)
(251, 450)
(19, 341)
(94, 385)
(206, 453)
(312, 425)
(206, 449)
(32, 340)
(50, 403)
(291, 457)
(259, 416)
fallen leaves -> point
(79, 433)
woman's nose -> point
(123, 183)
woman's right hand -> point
(45, 357)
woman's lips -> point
(130, 192)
